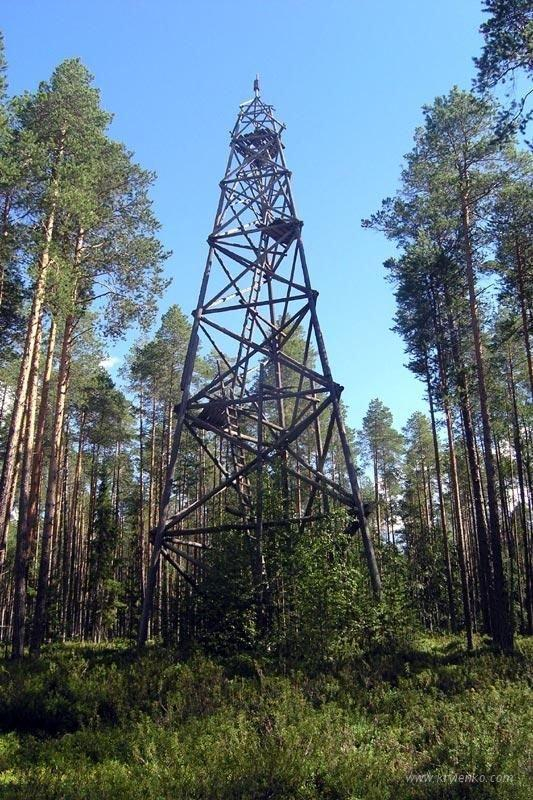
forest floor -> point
(96, 722)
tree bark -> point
(528, 577)
(459, 529)
(442, 508)
(524, 313)
(501, 618)
(32, 335)
(22, 554)
(33, 505)
(40, 616)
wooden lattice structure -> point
(273, 387)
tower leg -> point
(359, 508)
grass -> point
(92, 723)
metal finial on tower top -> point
(256, 86)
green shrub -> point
(155, 728)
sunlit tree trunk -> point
(15, 428)
(500, 611)
(39, 625)
(22, 554)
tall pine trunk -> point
(500, 611)
(15, 428)
(40, 616)
(456, 497)
(524, 311)
(33, 505)
(22, 554)
(528, 567)
(442, 508)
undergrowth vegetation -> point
(92, 723)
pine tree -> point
(107, 246)
(381, 446)
(507, 52)
(450, 183)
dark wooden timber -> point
(273, 398)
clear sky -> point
(348, 77)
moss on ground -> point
(94, 723)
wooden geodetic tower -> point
(273, 389)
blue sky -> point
(348, 77)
